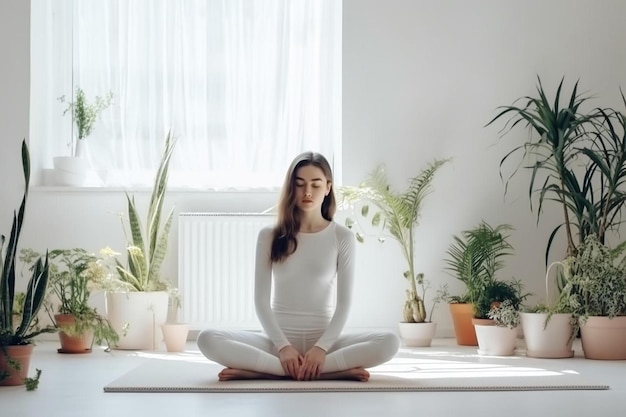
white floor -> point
(71, 385)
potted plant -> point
(73, 275)
(549, 327)
(595, 291)
(137, 295)
(576, 159)
(475, 258)
(497, 335)
(70, 170)
(399, 214)
(16, 345)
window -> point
(244, 86)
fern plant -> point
(398, 214)
(475, 258)
(147, 247)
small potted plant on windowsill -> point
(399, 214)
(74, 274)
(71, 170)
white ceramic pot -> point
(137, 318)
(551, 340)
(69, 170)
(175, 336)
(417, 334)
(495, 340)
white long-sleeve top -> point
(312, 288)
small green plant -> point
(32, 383)
(595, 280)
(84, 114)
(505, 314)
(74, 273)
(475, 258)
(398, 214)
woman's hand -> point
(312, 365)
(291, 360)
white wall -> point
(421, 79)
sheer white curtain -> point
(245, 85)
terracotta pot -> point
(22, 355)
(417, 334)
(72, 344)
(464, 332)
(604, 338)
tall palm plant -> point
(399, 213)
(576, 158)
(551, 150)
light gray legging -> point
(256, 352)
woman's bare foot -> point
(229, 374)
(354, 374)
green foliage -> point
(146, 252)
(399, 212)
(85, 114)
(576, 159)
(505, 314)
(74, 273)
(32, 383)
(595, 280)
(475, 258)
(36, 288)
(13, 333)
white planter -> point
(175, 336)
(495, 340)
(417, 334)
(551, 341)
(69, 170)
(137, 318)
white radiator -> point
(216, 255)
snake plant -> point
(146, 251)
(22, 333)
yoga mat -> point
(196, 374)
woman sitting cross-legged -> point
(309, 261)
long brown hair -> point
(284, 242)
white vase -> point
(552, 340)
(69, 170)
(137, 318)
(417, 334)
(495, 340)
(175, 336)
